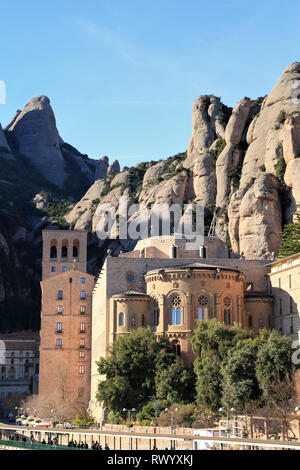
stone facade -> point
(285, 281)
(163, 285)
(19, 364)
(65, 352)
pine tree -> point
(290, 242)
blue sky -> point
(122, 75)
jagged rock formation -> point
(244, 162)
(34, 134)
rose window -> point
(203, 301)
(227, 301)
(176, 301)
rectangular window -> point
(64, 269)
(82, 343)
(81, 354)
(82, 295)
(53, 269)
(82, 327)
(60, 295)
(82, 309)
(59, 327)
(290, 281)
(59, 342)
(279, 283)
(60, 309)
(82, 280)
(261, 323)
(81, 370)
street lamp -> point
(227, 412)
(129, 413)
(172, 417)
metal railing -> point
(34, 445)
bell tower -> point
(63, 251)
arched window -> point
(64, 249)
(75, 248)
(250, 322)
(176, 311)
(176, 348)
(155, 310)
(227, 311)
(203, 303)
(133, 320)
(121, 319)
(53, 249)
(143, 320)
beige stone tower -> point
(65, 351)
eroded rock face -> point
(204, 180)
(237, 122)
(83, 212)
(171, 191)
(265, 133)
(34, 130)
(114, 168)
(292, 179)
(102, 167)
(154, 172)
(290, 136)
(260, 219)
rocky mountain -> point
(240, 163)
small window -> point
(60, 295)
(82, 327)
(59, 309)
(82, 342)
(82, 295)
(250, 322)
(200, 314)
(53, 269)
(81, 354)
(64, 269)
(121, 319)
(290, 281)
(59, 327)
(261, 323)
(59, 342)
(82, 309)
(81, 370)
(133, 320)
(130, 277)
(82, 280)
(143, 320)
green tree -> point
(274, 360)
(290, 241)
(83, 419)
(239, 382)
(176, 383)
(130, 369)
